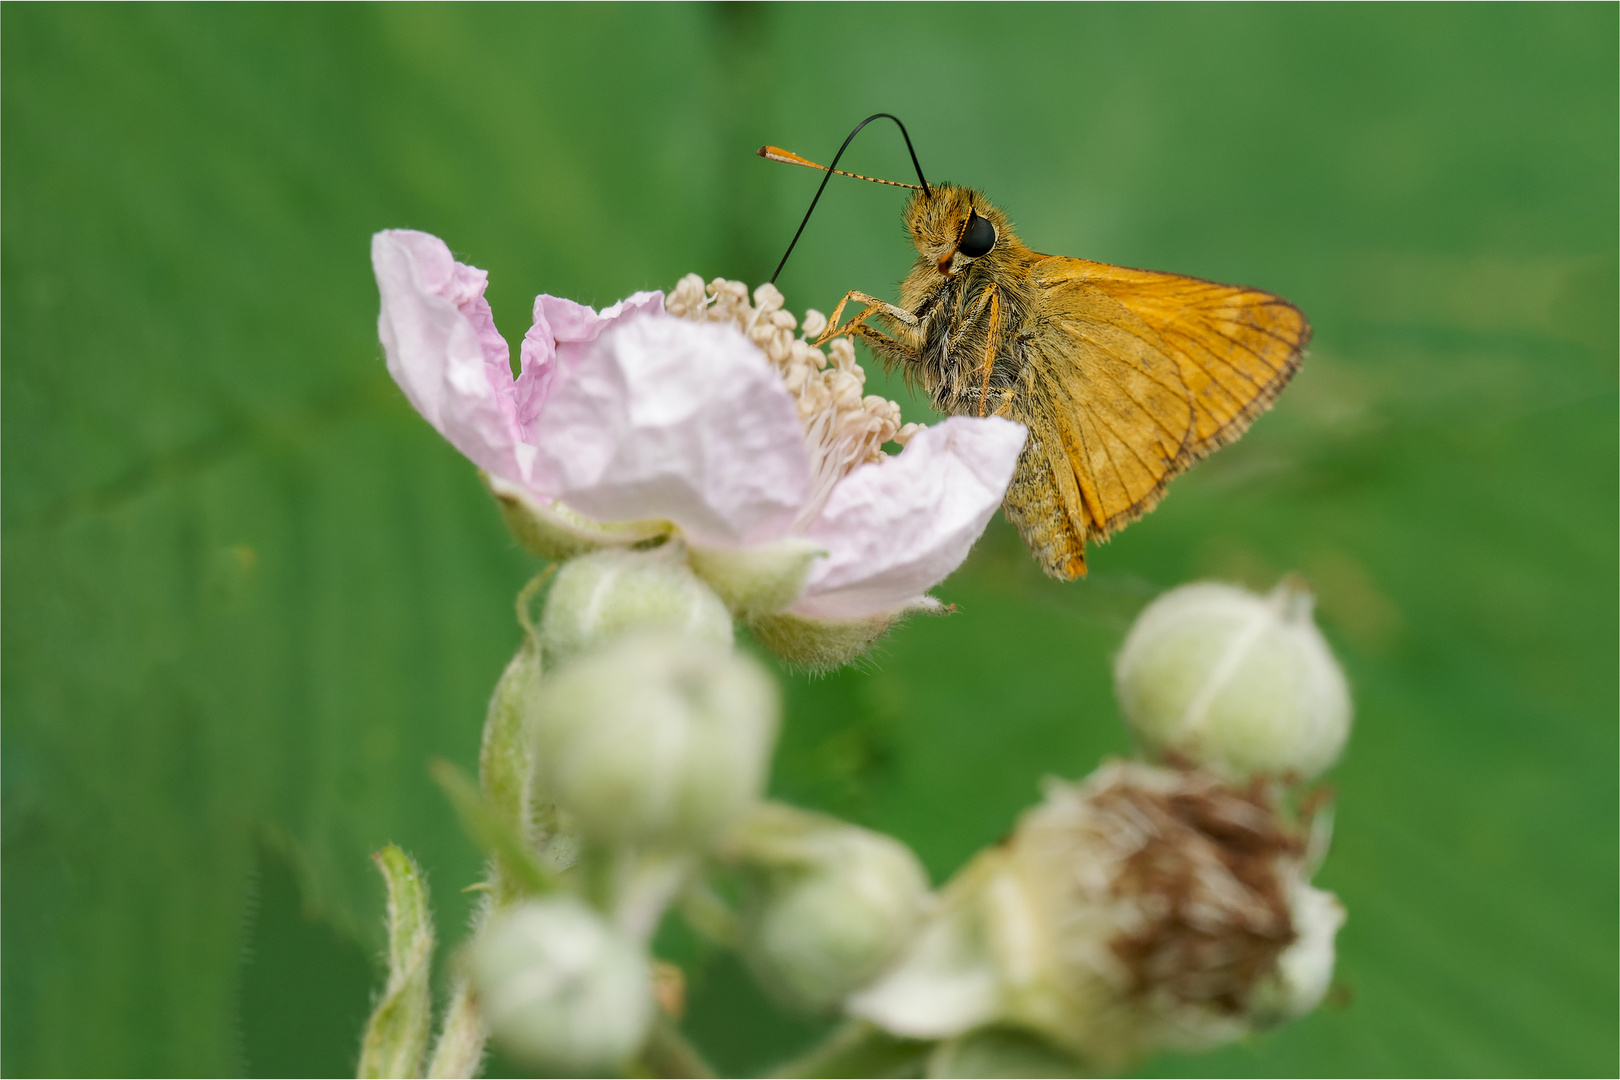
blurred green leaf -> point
(248, 594)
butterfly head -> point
(954, 227)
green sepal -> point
(759, 580)
(505, 756)
(459, 1051)
(552, 531)
(396, 1036)
(822, 645)
(519, 872)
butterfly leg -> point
(904, 344)
(887, 348)
(987, 305)
(874, 306)
(989, 364)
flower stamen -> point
(842, 428)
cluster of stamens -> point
(842, 427)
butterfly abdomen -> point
(1034, 504)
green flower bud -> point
(561, 990)
(829, 905)
(599, 596)
(1217, 676)
(658, 739)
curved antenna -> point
(834, 167)
(788, 157)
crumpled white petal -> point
(555, 342)
(1305, 969)
(442, 346)
(662, 417)
(894, 529)
(946, 980)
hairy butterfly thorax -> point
(970, 290)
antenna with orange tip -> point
(788, 157)
(776, 153)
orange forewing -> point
(1149, 372)
(1236, 347)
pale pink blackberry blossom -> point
(631, 422)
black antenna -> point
(834, 165)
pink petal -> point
(662, 417)
(668, 419)
(442, 346)
(894, 529)
(559, 323)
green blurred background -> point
(248, 593)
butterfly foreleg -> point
(887, 348)
(874, 306)
(989, 363)
(903, 342)
(986, 307)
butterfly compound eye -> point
(978, 238)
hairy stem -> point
(859, 1049)
(668, 1054)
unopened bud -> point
(1214, 675)
(658, 738)
(561, 989)
(598, 597)
(829, 904)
